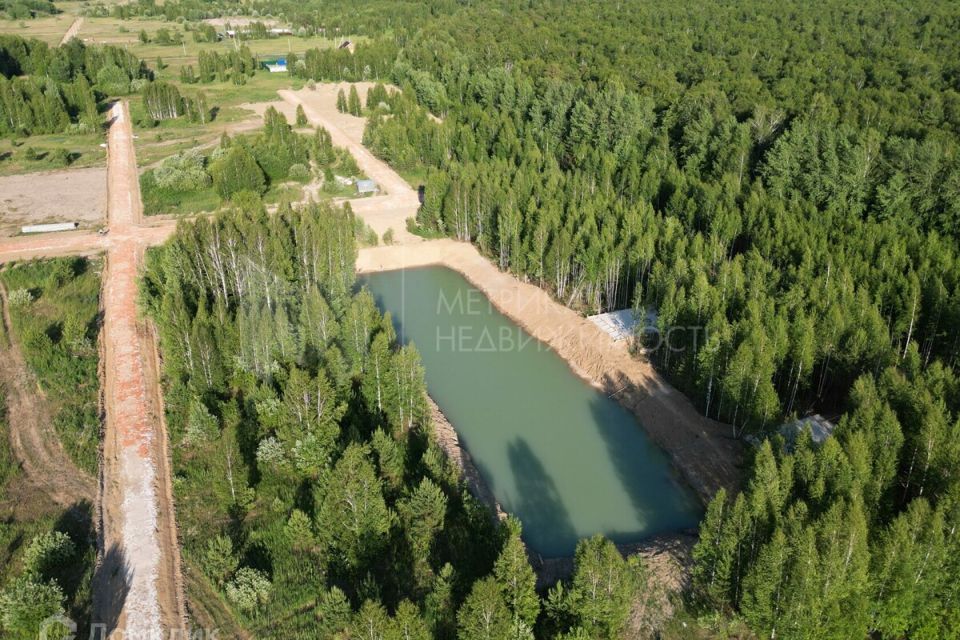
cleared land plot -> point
(50, 152)
(127, 33)
(50, 29)
(72, 195)
(238, 110)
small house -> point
(820, 429)
(277, 65)
(367, 186)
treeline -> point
(371, 60)
(311, 492)
(25, 9)
(334, 19)
(45, 90)
(162, 101)
(857, 538)
(237, 66)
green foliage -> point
(484, 615)
(518, 582)
(602, 590)
(46, 552)
(25, 9)
(44, 89)
(301, 117)
(249, 590)
(237, 171)
(352, 515)
(353, 102)
(335, 498)
(25, 603)
(218, 561)
(162, 101)
(185, 171)
(825, 536)
(55, 315)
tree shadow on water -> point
(546, 522)
(661, 500)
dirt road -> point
(138, 594)
(35, 443)
(72, 31)
(397, 200)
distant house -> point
(820, 429)
(367, 186)
(275, 65)
(281, 31)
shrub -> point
(299, 172)
(184, 171)
(112, 80)
(25, 604)
(249, 589)
(47, 551)
(20, 297)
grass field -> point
(48, 151)
(61, 291)
(50, 29)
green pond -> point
(564, 458)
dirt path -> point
(139, 593)
(72, 31)
(398, 201)
(700, 448)
(35, 443)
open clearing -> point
(71, 195)
(398, 201)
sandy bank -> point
(701, 449)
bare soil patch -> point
(71, 195)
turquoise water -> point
(564, 458)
